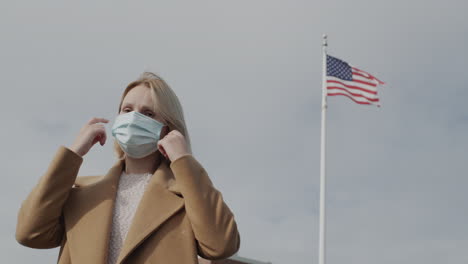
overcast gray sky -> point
(248, 74)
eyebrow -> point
(129, 104)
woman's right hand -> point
(89, 134)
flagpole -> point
(322, 153)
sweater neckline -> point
(145, 174)
(135, 177)
(133, 173)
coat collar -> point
(88, 213)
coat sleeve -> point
(40, 218)
(212, 221)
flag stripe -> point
(353, 83)
(366, 83)
(358, 76)
(353, 92)
(370, 75)
(350, 97)
(362, 75)
(373, 83)
(365, 74)
(333, 90)
(359, 88)
(355, 100)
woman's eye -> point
(149, 114)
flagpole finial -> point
(324, 36)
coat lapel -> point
(157, 205)
(88, 214)
(88, 217)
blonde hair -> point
(166, 105)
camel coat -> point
(181, 215)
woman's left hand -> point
(173, 145)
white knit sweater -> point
(129, 192)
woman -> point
(155, 205)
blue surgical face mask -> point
(137, 134)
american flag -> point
(356, 84)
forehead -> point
(139, 95)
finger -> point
(96, 120)
(161, 149)
(95, 139)
(175, 132)
(99, 126)
(165, 154)
(101, 132)
(102, 139)
(96, 133)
